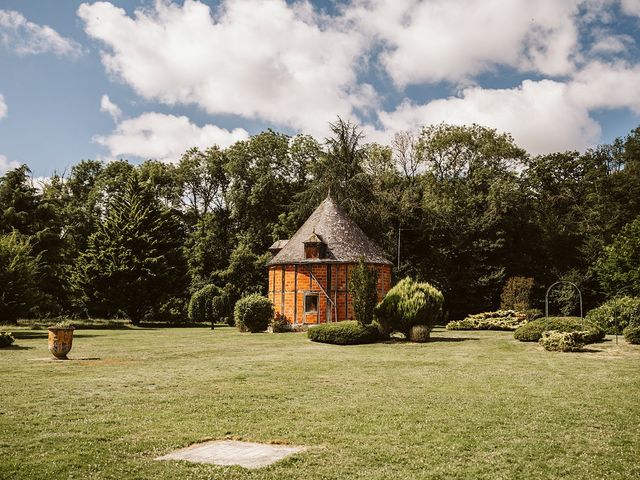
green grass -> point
(466, 405)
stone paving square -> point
(232, 452)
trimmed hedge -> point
(555, 341)
(6, 339)
(616, 314)
(253, 313)
(408, 304)
(632, 335)
(210, 304)
(343, 333)
(498, 320)
(532, 331)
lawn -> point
(466, 405)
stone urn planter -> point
(60, 341)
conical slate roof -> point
(345, 241)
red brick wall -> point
(288, 285)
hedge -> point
(532, 331)
(632, 335)
(6, 339)
(498, 320)
(343, 333)
(555, 341)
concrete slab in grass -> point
(231, 452)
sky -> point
(149, 79)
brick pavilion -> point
(309, 274)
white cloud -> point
(631, 7)
(605, 85)
(107, 106)
(164, 137)
(255, 58)
(612, 44)
(23, 37)
(6, 164)
(448, 40)
(3, 107)
(541, 116)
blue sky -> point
(136, 80)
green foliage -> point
(619, 266)
(134, 262)
(18, 277)
(555, 341)
(632, 334)
(363, 287)
(498, 320)
(343, 333)
(616, 314)
(516, 294)
(532, 331)
(253, 313)
(410, 303)
(280, 324)
(419, 333)
(6, 339)
(210, 304)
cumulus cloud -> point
(3, 107)
(164, 137)
(541, 115)
(254, 58)
(440, 40)
(23, 37)
(107, 106)
(631, 7)
(607, 85)
(6, 164)
(612, 44)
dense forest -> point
(464, 207)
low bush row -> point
(343, 333)
(498, 320)
(532, 331)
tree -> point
(363, 287)
(134, 262)
(619, 266)
(18, 277)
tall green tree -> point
(134, 262)
(18, 277)
(619, 267)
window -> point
(311, 303)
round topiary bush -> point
(253, 313)
(555, 341)
(532, 331)
(616, 314)
(408, 304)
(6, 339)
(343, 333)
(419, 333)
(632, 335)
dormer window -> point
(314, 247)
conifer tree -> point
(134, 262)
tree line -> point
(471, 210)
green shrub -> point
(363, 287)
(253, 313)
(555, 341)
(532, 331)
(210, 304)
(280, 324)
(410, 303)
(343, 333)
(616, 314)
(632, 335)
(6, 339)
(499, 320)
(516, 294)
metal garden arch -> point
(546, 299)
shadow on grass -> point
(451, 339)
(27, 334)
(17, 347)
